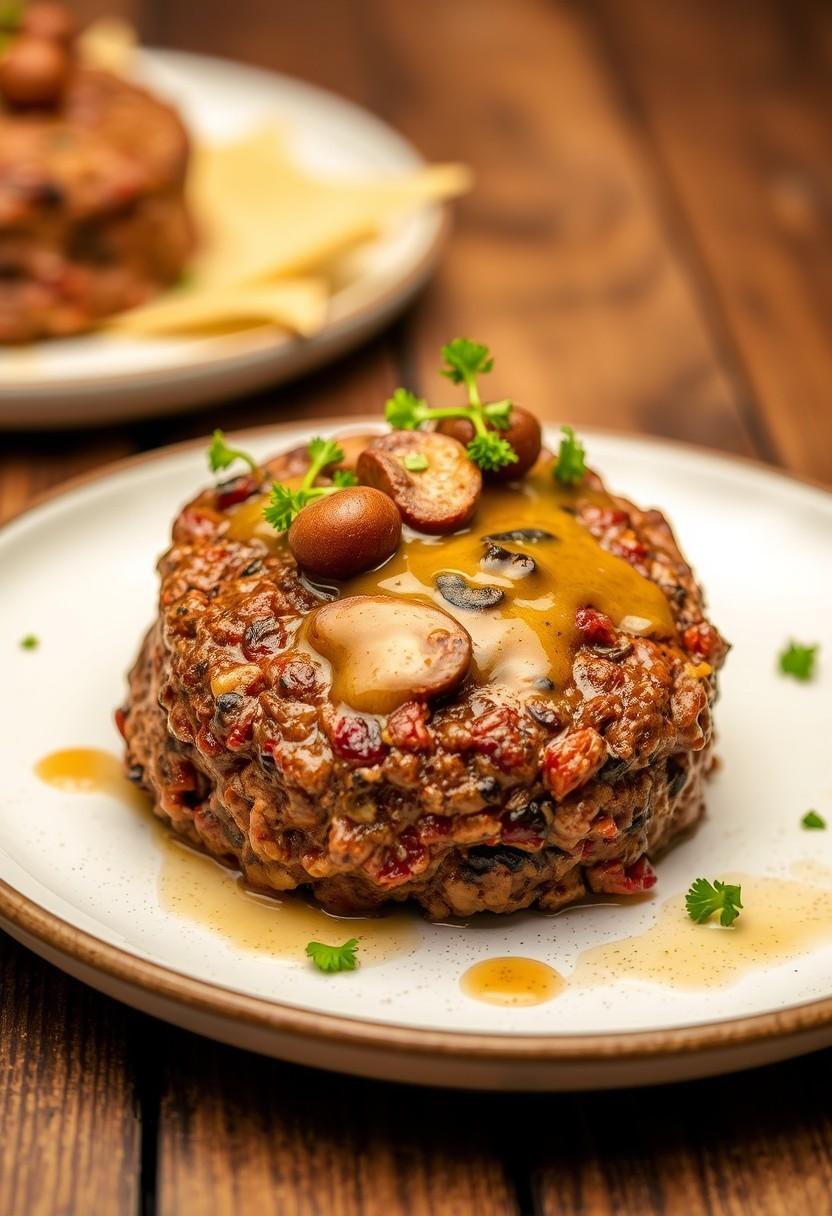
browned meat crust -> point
(480, 803)
(92, 209)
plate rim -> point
(57, 936)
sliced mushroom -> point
(385, 651)
(439, 497)
(454, 589)
(505, 562)
(522, 536)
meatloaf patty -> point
(505, 793)
(93, 217)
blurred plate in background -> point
(100, 378)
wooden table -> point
(648, 249)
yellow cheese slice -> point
(296, 305)
(264, 216)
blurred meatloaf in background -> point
(93, 217)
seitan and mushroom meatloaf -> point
(93, 217)
(514, 712)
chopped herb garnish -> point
(342, 478)
(813, 821)
(286, 503)
(798, 660)
(334, 958)
(405, 411)
(415, 462)
(570, 467)
(705, 898)
(30, 642)
(221, 456)
(464, 362)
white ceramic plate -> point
(97, 378)
(79, 875)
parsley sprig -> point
(570, 467)
(813, 821)
(705, 898)
(798, 661)
(285, 503)
(221, 456)
(334, 958)
(465, 362)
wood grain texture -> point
(69, 1130)
(757, 1143)
(242, 1135)
(737, 98)
(565, 259)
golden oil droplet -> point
(512, 981)
(90, 770)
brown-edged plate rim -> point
(66, 940)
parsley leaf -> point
(498, 413)
(221, 456)
(813, 820)
(415, 462)
(30, 642)
(343, 478)
(706, 898)
(283, 506)
(286, 504)
(570, 467)
(334, 958)
(798, 661)
(405, 411)
(491, 452)
(322, 452)
(466, 360)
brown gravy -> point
(531, 633)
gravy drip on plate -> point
(200, 889)
(781, 919)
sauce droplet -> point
(512, 981)
(89, 770)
